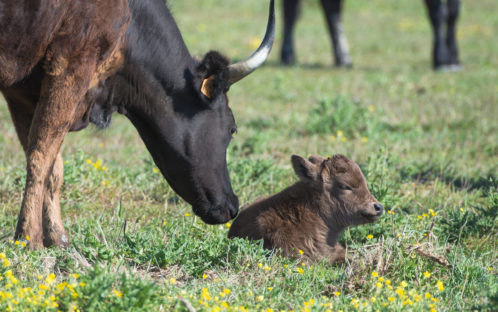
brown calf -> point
(331, 195)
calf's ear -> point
(305, 170)
(317, 159)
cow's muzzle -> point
(218, 213)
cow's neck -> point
(156, 53)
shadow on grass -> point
(484, 183)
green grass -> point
(427, 143)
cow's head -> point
(189, 133)
(341, 189)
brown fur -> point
(331, 195)
(51, 53)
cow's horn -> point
(243, 68)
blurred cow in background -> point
(443, 17)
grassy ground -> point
(427, 143)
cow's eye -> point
(233, 130)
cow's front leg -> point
(54, 233)
(437, 15)
(291, 13)
(52, 119)
(333, 11)
(451, 38)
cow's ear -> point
(305, 170)
(212, 72)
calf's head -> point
(341, 188)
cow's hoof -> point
(347, 65)
(288, 58)
(56, 239)
(32, 239)
(448, 68)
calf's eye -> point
(344, 187)
(233, 130)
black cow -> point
(443, 17)
(64, 64)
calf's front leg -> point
(52, 119)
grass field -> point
(427, 143)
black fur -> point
(215, 64)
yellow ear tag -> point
(207, 87)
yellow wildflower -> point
(172, 281)
(364, 139)
(300, 271)
(440, 285)
(390, 298)
(205, 294)
(226, 291)
(260, 298)
(337, 293)
(375, 274)
(117, 293)
(379, 285)
(50, 279)
(400, 291)
(427, 274)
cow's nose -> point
(378, 208)
(233, 205)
